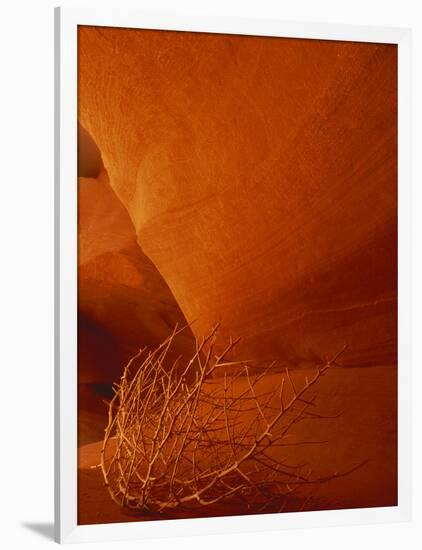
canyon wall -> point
(260, 176)
(123, 302)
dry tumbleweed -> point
(184, 436)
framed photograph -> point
(232, 275)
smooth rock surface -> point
(260, 175)
(123, 302)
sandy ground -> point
(366, 430)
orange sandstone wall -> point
(123, 302)
(260, 175)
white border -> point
(66, 22)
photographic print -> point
(237, 275)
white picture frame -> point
(66, 23)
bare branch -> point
(180, 438)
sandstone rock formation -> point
(123, 302)
(260, 176)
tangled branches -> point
(184, 436)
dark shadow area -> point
(45, 530)
(90, 162)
